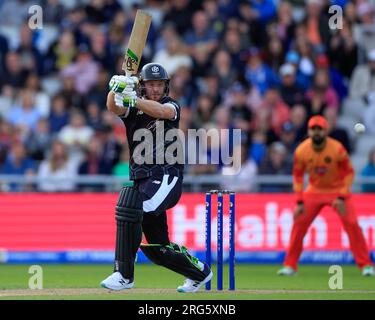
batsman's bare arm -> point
(111, 106)
(152, 108)
(156, 109)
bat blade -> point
(136, 43)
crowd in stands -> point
(262, 66)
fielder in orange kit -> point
(330, 178)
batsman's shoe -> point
(368, 271)
(117, 282)
(194, 285)
(286, 271)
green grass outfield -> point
(153, 282)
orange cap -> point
(317, 121)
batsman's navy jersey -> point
(135, 120)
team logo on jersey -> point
(139, 112)
(320, 170)
(328, 159)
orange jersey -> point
(329, 170)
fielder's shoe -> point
(194, 285)
(286, 271)
(368, 271)
(117, 282)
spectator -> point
(42, 99)
(204, 111)
(74, 18)
(59, 116)
(62, 53)
(298, 117)
(84, 71)
(118, 129)
(290, 91)
(362, 81)
(93, 164)
(239, 113)
(18, 163)
(337, 80)
(257, 73)
(98, 93)
(285, 25)
(201, 34)
(256, 14)
(336, 132)
(25, 115)
(180, 15)
(30, 57)
(76, 135)
(234, 44)
(74, 100)
(302, 79)
(100, 49)
(321, 95)
(95, 11)
(369, 114)
(14, 13)
(3, 51)
(369, 171)
(216, 19)
(6, 137)
(306, 61)
(263, 10)
(276, 163)
(111, 148)
(183, 87)
(94, 119)
(121, 169)
(167, 32)
(343, 50)
(173, 56)
(209, 85)
(364, 29)
(57, 172)
(116, 33)
(241, 178)
(201, 40)
(277, 109)
(288, 138)
(263, 123)
(274, 55)
(258, 148)
(222, 69)
(53, 11)
(317, 25)
(39, 140)
(14, 75)
(213, 155)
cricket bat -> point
(136, 43)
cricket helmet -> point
(153, 71)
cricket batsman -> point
(157, 185)
(330, 178)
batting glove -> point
(122, 84)
(128, 100)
